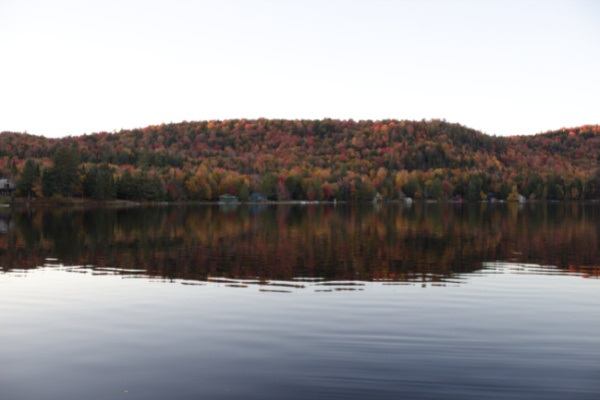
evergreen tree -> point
(592, 186)
(127, 187)
(27, 181)
(99, 183)
(50, 182)
(268, 186)
(63, 177)
(474, 189)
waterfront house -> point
(7, 187)
(228, 199)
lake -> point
(301, 302)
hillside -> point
(308, 159)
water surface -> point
(425, 302)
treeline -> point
(306, 160)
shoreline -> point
(20, 203)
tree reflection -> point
(421, 243)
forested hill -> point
(306, 160)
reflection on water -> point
(317, 284)
(314, 302)
(431, 243)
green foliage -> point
(63, 177)
(363, 191)
(433, 189)
(28, 179)
(243, 191)
(293, 185)
(555, 188)
(99, 183)
(592, 186)
(412, 188)
(474, 189)
(140, 186)
(268, 186)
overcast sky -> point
(504, 67)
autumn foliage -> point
(307, 160)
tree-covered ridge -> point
(306, 159)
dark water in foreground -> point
(316, 302)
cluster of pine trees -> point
(306, 160)
(66, 177)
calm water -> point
(301, 302)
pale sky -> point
(504, 67)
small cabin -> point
(257, 198)
(7, 187)
(228, 199)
